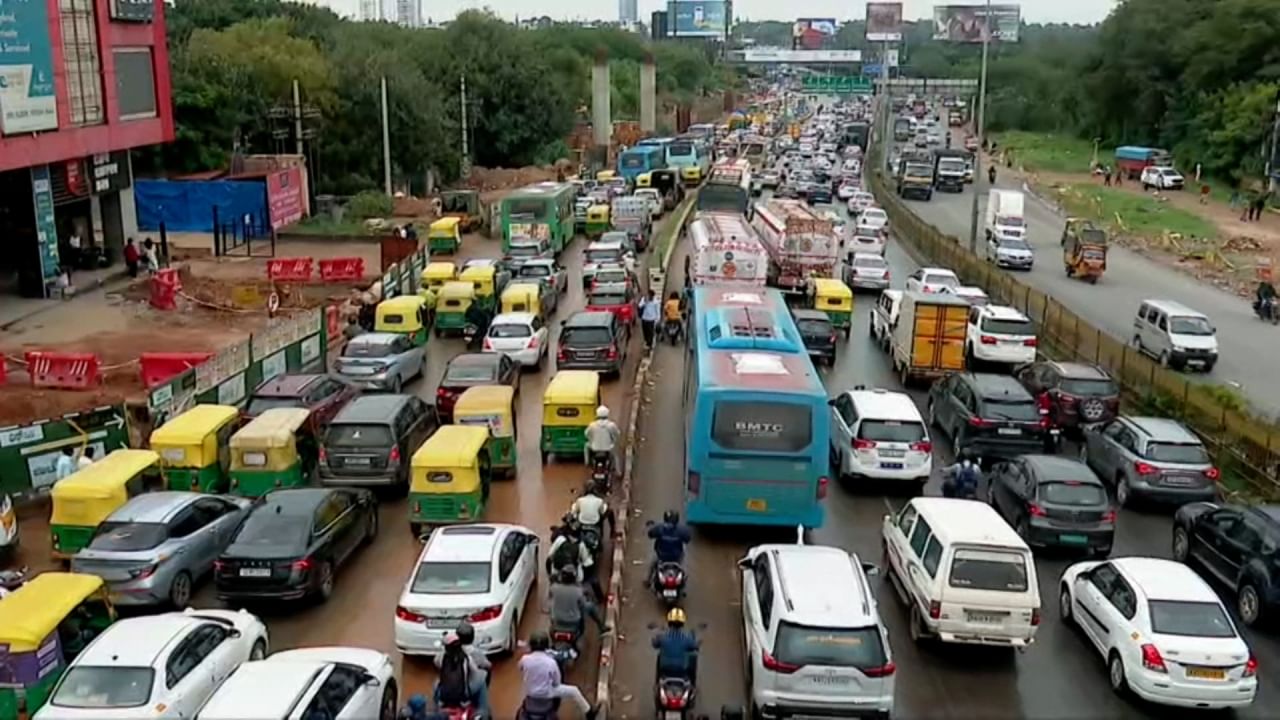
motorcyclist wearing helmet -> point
(478, 668)
(570, 606)
(454, 688)
(567, 551)
(541, 679)
(602, 438)
(669, 539)
(677, 649)
(591, 510)
(962, 478)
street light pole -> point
(982, 112)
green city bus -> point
(543, 210)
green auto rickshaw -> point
(452, 303)
(445, 235)
(492, 407)
(275, 450)
(451, 477)
(568, 406)
(193, 448)
(85, 498)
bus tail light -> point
(823, 482)
(695, 483)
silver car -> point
(154, 548)
(868, 271)
(381, 361)
(546, 271)
(1154, 458)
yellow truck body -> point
(928, 341)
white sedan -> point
(521, 335)
(847, 191)
(158, 666)
(1163, 632)
(479, 573)
(336, 683)
(875, 217)
(860, 201)
(932, 280)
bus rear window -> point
(526, 208)
(762, 426)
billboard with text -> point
(884, 22)
(27, 99)
(813, 33)
(698, 18)
(967, 23)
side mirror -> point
(370, 680)
(234, 633)
(871, 569)
(744, 564)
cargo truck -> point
(800, 243)
(949, 170)
(915, 176)
(928, 339)
(1005, 220)
(902, 130)
(633, 215)
(1131, 159)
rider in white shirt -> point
(602, 437)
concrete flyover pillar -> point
(648, 95)
(601, 116)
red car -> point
(323, 395)
(617, 298)
(469, 370)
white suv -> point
(999, 334)
(880, 434)
(1161, 178)
(815, 641)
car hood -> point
(1195, 342)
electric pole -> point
(465, 169)
(386, 141)
(982, 112)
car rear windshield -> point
(259, 405)
(1090, 387)
(524, 251)
(762, 426)
(510, 330)
(989, 570)
(586, 336)
(128, 536)
(891, 431)
(1073, 493)
(360, 436)
(1010, 409)
(940, 279)
(604, 298)
(367, 349)
(1008, 327)
(468, 373)
(88, 686)
(831, 647)
(1014, 244)
(266, 528)
(814, 326)
(1177, 453)
(870, 262)
(1190, 619)
(600, 256)
(450, 578)
(535, 271)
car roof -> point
(476, 542)
(1051, 468)
(137, 641)
(1080, 371)
(879, 404)
(806, 314)
(376, 409)
(1002, 312)
(374, 338)
(268, 689)
(293, 499)
(959, 521)
(590, 318)
(607, 245)
(1162, 429)
(513, 318)
(154, 507)
(869, 256)
(475, 359)
(1161, 579)
(935, 271)
(1173, 307)
(815, 580)
(287, 385)
(991, 385)
(538, 261)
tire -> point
(513, 636)
(1165, 359)
(916, 625)
(1136, 343)
(324, 587)
(1064, 604)
(259, 651)
(1249, 604)
(371, 532)
(1181, 545)
(1123, 491)
(397, 385)
(389, 708)
(1116, 675)
(180, 590)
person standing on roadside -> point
(131, 257)
(650, 311)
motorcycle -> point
(602, 470)
(674, 699)
(669, 583)
(470, 335)
(673, 331)
(1269, 312)
(590, 536)
(564, 646)
(460, 712)
(539, 709)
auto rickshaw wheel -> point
(1093, 279)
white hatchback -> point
(480, 573)
(1000, 334)
(521, 335)
(860, 201)
(875, 217)
(932, 280)
(158, 666)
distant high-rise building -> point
(409, 13)
(370, 10)
(627, 12)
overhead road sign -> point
(837, 84)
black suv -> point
(370, 441)
(593, 340)
(1238, 546)
(818, 334)
(1075, 394)
(992, 415)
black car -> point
(370, 441)
(1054, 502)
(292, 543)
(1238, 545)
(468, 370)
(593, 340)
(1076, 394)
(819, 193)
(991, 415)
(818, 334)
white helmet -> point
(602, 413)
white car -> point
(860, 201)
(875, 217)
(1162, 630)
(157, 666)
(847, 190)
(601, 253)
(932, 280)
(655, 201)
(1000, 334)
(864, 241)
(480, 573)
(521, 335)
(867, 271)
(1161, 178)
(336, 683)
(1009, 252)
(975, 296)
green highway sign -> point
(837, 84)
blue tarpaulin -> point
(187, 206)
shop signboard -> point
(884, 21)
(284, 197)
(141, 11)
(29, 453)
(27, 99)
(110, 172)
(46, 227)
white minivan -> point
(965, 575)
(1176, 335)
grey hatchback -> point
(1150, 457)
(1054, 502)
(153, 549)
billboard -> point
(284, 197)
(813, 33)
(966, 23)
(884, 22)
(698, 18)
(27, 100)
(773, 55)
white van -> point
(1176, 335)
(884, 316)
(880, 434)
(964, 573)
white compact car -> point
(521, 335)
(1161, 178)
(480, 573)
(880, 435)
(1165, 635)
(336, 683)
(847, 191)
(1000, 334)
(875, 217)
(158, 666)
(860, 201)
(1010, 252)
(932, 280)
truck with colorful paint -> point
(801, 244)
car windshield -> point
(876, 263)
(1190, 326)
(831, 647)
(1189, 453)
(536, 270)
(1090, 387)
(586, 336)
(451, 578)
(604, 255)
(1019, 409)
(259, 404)
(524, 251)
(1073, 493)
(87, 686)
(351, 435)
(266, 528)
(814, 326)
(894, 431)
(1001, 326)
(510, 330)
(367, 349)
(1189, 619)
(1014, 244)
(128, 536)
(975, 569)
(469, 373)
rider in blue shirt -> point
(669, 539)
(677, 649)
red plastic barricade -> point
(165, 285)
(333, 320)
(342, 269)
(158, 367)
(4, 377)
(69, 371)
(290, 269)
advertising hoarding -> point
(698, 18)
(284, 197)
(46, 228)
(813, 33)
(966, 23)
(884, 22)
(770, 55)
(27, 100)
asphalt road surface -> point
(1058, 677)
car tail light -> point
(860, 444)
(1152, 660)
(561, 355)
(886, 274)
(776, 665)
(492, 612)
(823, 482)
(988, 340)
(1251, 666)
(143, 573)
(408, 615)
(1212, 473)
(884, 670)
(301, 566)
(219, 565)
(695, 483)
(1035, 510)
(488, 344)
(1035, 617)
(923, 446)
(1029, 342)
(978, 422)
(533, 343)
(562, 636)
(394, 455)
(324, 455)
(1145, 468)
(442, 393)
(833, 338)
(1109, 516)
(612, 353)
(935, 610)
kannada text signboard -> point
(837, 84)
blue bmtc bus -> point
(757, 430)
(692, 156)
(640, 160)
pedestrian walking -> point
(1234, 202)
(650, 311)
(131, 257)
(149, 258)
(1259, 203)
(1106, 175)
(1204, 193)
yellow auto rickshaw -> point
(597, 220)
(568, 407)
(437, 274)
(445, 235)
(44, 625)
(492, 407)
(275, 450)
(451, 477)
(193, 448)
(524, 297)
(605, 176)
(404, 315)
(85, 498)
(644, 180)
(452, 303)
(484, 279)
(1084, 250)
(834, 298)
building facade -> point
(82, 82)
(408, 13)
(628, 12)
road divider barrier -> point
(290, 269)
(165, 286)
(63, 370)
(348, 269)
(156, 368)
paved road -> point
(1057, 678)
(1245, 342)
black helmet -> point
(567, 576)
(539, 641)
(671, 517)
(466, 634)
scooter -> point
(590, 536)
(564, 646)
(674, 698)
(673, 331)
(602, 470)
(669, 583)
(539, 709)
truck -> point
(856, 133)
(801, 244)
(1131, 159)
(727, 251)
(928, 340)
(915, 176)
(632, 214)
(1005, 219)
(902, 129)
(949, 169)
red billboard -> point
(284, 197)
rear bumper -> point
(869, 283)
(605, 366)
(780, 707)
(1095, 539)
(1173, 495)
(1004, 448)
(329, 477)
(231, 592)
(1158, 688)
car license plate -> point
(358, 370)
(255, 572)
(892, 453)
(757, 505)
(672, 715)
(585, 355)
(1009, 431)
(357, 461)
(1179, 480)
(1204, 673)
(1195, 363)
(668, 593)
(441, 622)
(1073, 539)
(985, 618)
(890, 466)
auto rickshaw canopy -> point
(106, 478)
(522, 297)
(644, 180)
(455, 291)
(445, 227)
(449, 461)
(481, 277)
(402, 314)
(832, 289)
(598, 213)
(269, 441)
(190, 440)
(571, 390)
(439, 273)
(492, 403)
(32, 612)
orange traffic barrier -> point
(69, 371)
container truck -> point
(949, 170)
(1131, 159)
(727, 251)
(1005, 220)
(928, 339)
(800, 243)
